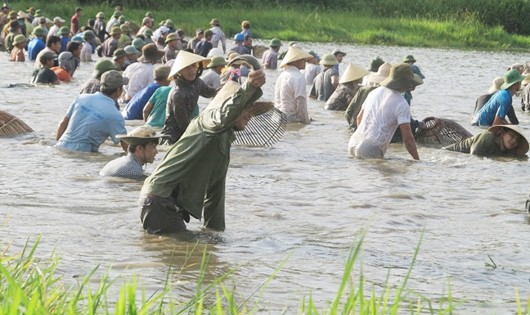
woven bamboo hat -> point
(522, 146)
(353, 73)
(141, 135)
(294, 54)
(184, 59)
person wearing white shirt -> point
(212, 77)
(290, 94)
(140, 73)
(384, 110)
(218, 34)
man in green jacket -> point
(192, 175)
(498, 140)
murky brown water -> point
(303, 201)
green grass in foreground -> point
(31, 286)
(317, 25)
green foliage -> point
(30, 286)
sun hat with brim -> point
(171, 37)
(216, 62)
(38, 13)
(146, 20)
(510, 78)
(409, 58)
(169, 23)
(78, 39)
(275, 42)
(100, 15)
(149, 15)
(115, 30)
(116, 14)
(381, 74)
(161, 72)
(58, 19)
(294, 54)
(39, 31)
(496, 85)
(148, 32)
(19, 39)
(329, 60)
(215, 22)
(522, 146)
(12, 14)
(88, 35)
(184, 59)
(141, 135)
(102, 66)
(401, 78)
(215, 52)
(125, 28)
(130, 50)
(150, 53)
(65, 30)
(353, 73)
(138, 43)
(337, 51)
(118, 53)
(315, 55)
(113, 79)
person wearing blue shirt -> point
(500, 104)
(37, 43)
(92, 118)
(135, 107)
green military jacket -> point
(484, 144)
(194, 169)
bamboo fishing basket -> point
(11, 125)
(440, 132)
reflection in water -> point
(303, 201)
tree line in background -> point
(510, 14)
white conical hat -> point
(184, 59)
(353, 73)
(294, 54)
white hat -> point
(382, 73)
(184, 59)
(294, 54)
(353, 73)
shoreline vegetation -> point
(32, 285)
(455, 24)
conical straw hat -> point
(294, 54)
(353, 73)
(185, 59)
(522, 146)
(382, 73)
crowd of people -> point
(157, 75)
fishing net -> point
(267, 124)
(11, 125)
(263, 130)
(440, 132)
